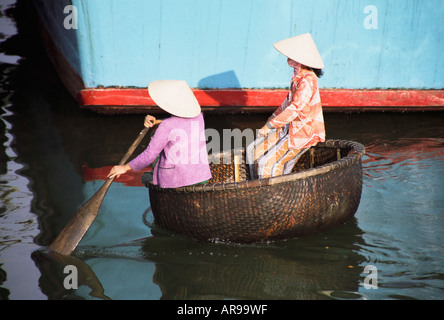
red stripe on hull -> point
(112, 100)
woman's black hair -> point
(318, 72)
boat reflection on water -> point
(281, 270)
(168, 266)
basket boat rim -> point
(354, 156)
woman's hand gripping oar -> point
(73, 232)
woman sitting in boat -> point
(178, 143)
(299, 121)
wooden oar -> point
(73, 232)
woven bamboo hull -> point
(307, 201)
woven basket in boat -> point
(323, 190)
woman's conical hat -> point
(301, 49)
(175, 97)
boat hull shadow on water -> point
(323, 191)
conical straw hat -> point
(301, 49)
(175, 97)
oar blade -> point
(75, 229)
(73, 232)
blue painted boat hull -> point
(221, 44)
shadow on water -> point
(167, 266)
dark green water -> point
(47, 142)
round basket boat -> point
(323, 191)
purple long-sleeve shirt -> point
(181, 144)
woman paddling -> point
(179, 141)
(299, 121)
